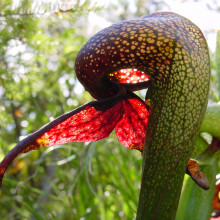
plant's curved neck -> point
(177, 110)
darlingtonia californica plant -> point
(165, 53)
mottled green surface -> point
(179, 96)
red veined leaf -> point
(87, 125)
(131, 129)
(90, 122)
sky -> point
(202, 12)
(205, 17)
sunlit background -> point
(39, 41)
(204, 13)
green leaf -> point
(211, 122)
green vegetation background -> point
(98, 180)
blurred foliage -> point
(38, 45)
(37, 84)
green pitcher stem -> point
(179, 99)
